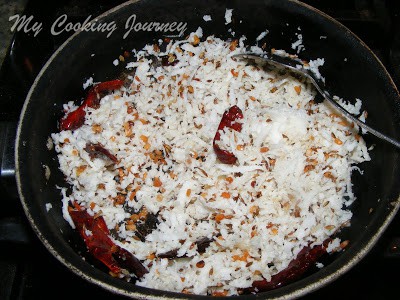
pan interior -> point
(350, 69)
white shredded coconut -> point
(314, 65)
(47, 172)
(298, 45)
(228, 16)
(87, 83)
(354, 109)
(333, 245)
(48, 206)
(49, 143)
(65, 200)
(207, 18)
(262, 35)
(288, 189)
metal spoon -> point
(296, 65)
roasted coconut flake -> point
(257, 214)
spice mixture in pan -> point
(207, 175)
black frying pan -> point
(351, 71)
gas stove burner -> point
(27, 270)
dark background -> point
(28, 271)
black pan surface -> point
(351, 71)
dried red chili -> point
(96, 236)
(76, 118)
(229, 119)
(296, 268)
(97, 150)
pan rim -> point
(310, 287)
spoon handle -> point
(297, 65)
(353, 118)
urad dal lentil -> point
(289, 188)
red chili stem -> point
(126, 260)
(306, 258)
(76, 118)
(229, 119)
